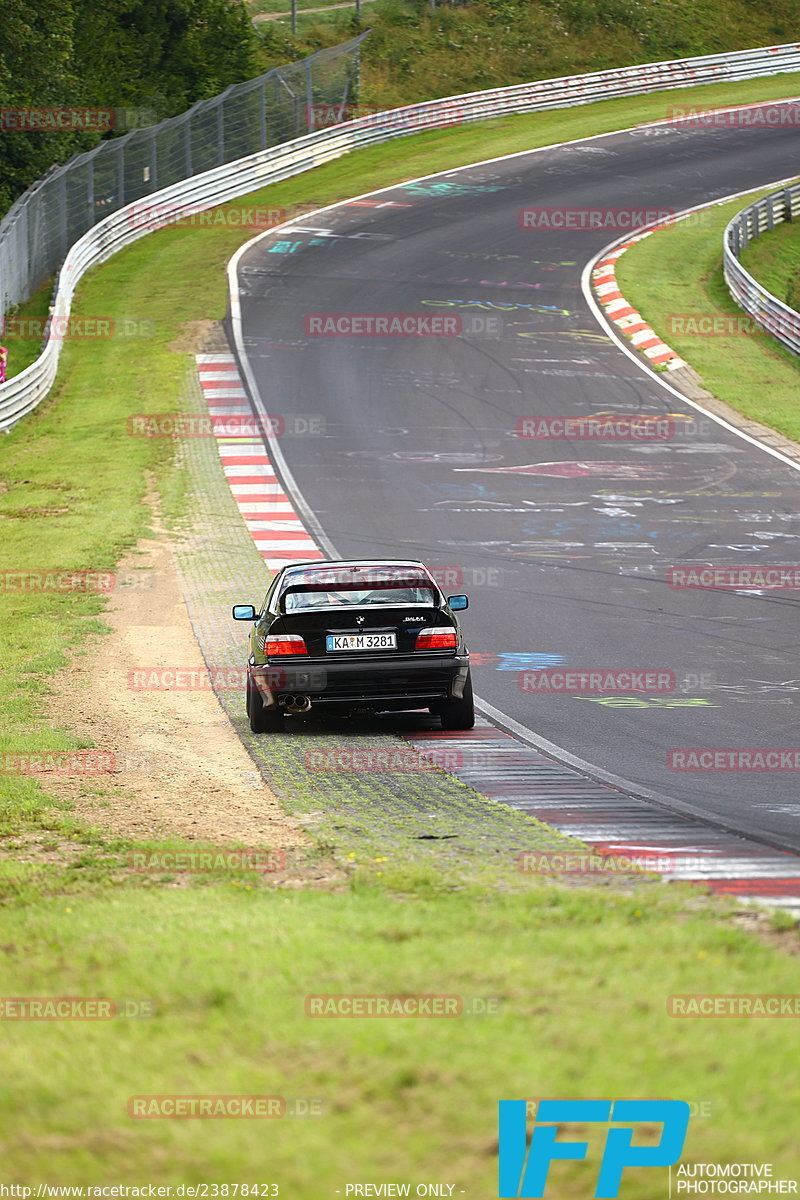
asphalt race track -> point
(563, 546)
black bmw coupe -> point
(356, 637)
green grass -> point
(678, 271)
(402, 1099)
(774, 260)
(413, 54)
(226, 962)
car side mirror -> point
(244, 612)
(457, 603)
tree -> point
(36, 70)
(161, 55)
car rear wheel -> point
(459, 714)
(262, 720)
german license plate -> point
(361, 641)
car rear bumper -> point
(402, 682)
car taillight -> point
(436, 638)
(285, 643)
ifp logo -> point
(523, 1169)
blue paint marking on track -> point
(530, 660)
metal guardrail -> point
(767, 310)
(23, 392)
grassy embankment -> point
(774, 260)
(414, 53)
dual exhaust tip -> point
(296, 704)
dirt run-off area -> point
(182, 771)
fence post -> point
(309, 99)
(120, 174)
(220, 134)
(90, 193)
(153, 163)
(296, 103)
(187, 146)
(25, 239)
(355, 79)
(64, 237)
(262, 113)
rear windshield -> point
(335, 598)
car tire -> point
(262, 720)
(459, 714)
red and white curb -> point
(622, 314)
(279, 534)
